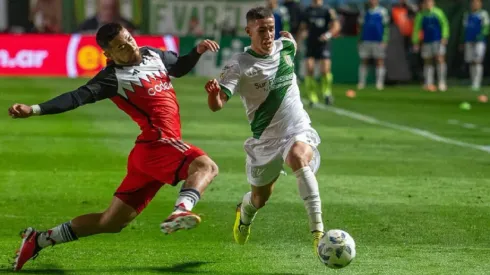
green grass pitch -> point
(413, 205)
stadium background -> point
(172, 17)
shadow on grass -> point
(183, 268)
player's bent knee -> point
(299, 156)
(205, 165)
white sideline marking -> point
(415, 131)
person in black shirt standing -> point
(321, 24)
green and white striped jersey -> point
(268, 89)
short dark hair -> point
(106, 33)
(259, 13)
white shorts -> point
(265, 158)
(474, 52)
(433, 49)
(368, 49)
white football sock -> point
(429, 74)
(380, 75)
(62, 233)
(308, 190)
(441, 72)
(362, 74)
(187, 199)
(478, 75)
(248, 210)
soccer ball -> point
(336, 249)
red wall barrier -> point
(62, 55)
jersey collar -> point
(257, 55)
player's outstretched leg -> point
(202, 171)
(247, 209)
(113, 220)
(299, 158)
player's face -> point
(317, 2)
(476, 5)
(373, 3)
(261, 33)
(123, 49)
(428, 4)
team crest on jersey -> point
(151, 84)
(252, 72)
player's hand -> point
(212, 86)
(444, 41)
(416, 48)
(20, 111)
(383, 45)
(207, 45)
(286, 34)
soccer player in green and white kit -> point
(264, 78)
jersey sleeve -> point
(178, 66)
(386, 26)
(289, 44)
(417, 25)
(485, 28)
(444, 23)
(230, 77)
(103, 85)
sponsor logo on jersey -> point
(151, 84)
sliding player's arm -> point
(102, 86)
(220, 91)
(178, 66)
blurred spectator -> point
(294, 10)
(194, 27)
(107, 11)
(45, 16)
(281, 17)
(403, 14)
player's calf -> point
(299, 158)
(201, 172)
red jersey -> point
(144, 91)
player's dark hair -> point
(259, 13)
(106, 33)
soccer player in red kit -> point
(137, 80)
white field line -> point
(415, 131)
